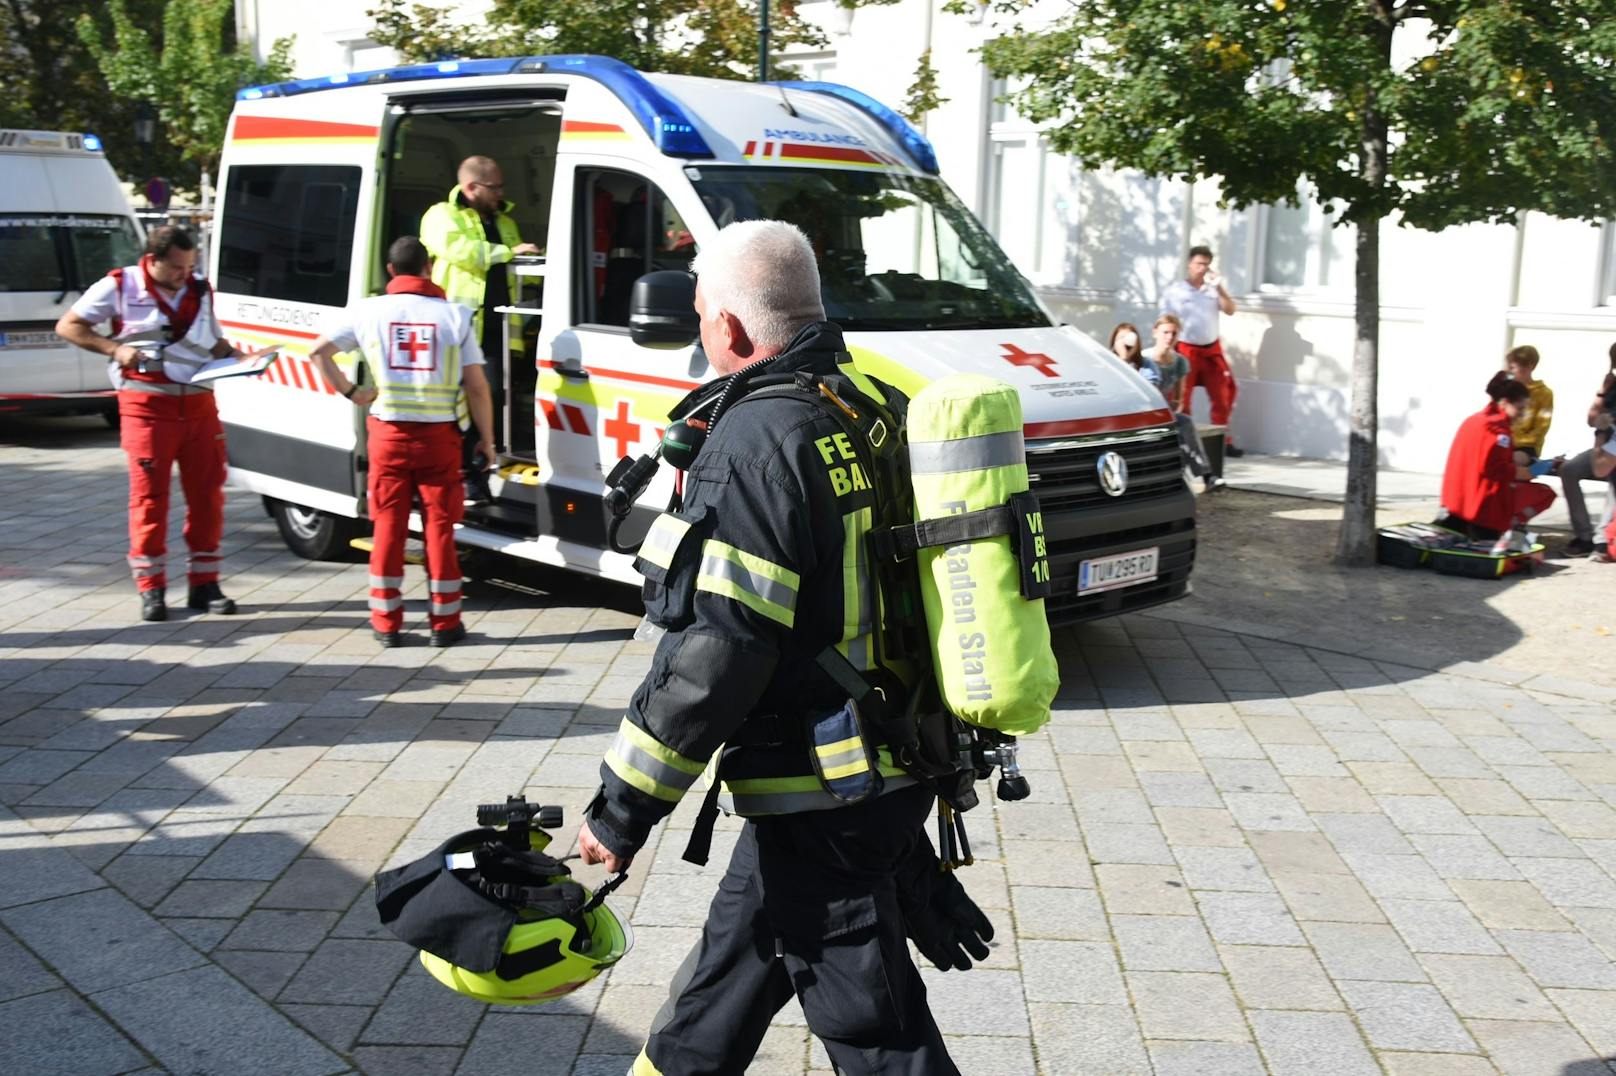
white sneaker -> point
(1512, 541)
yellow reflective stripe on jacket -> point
(844, 758)
(436, 399)
(662, 540)
(764, 587)
(858, 593)
(643, 1066)
(653, 768)
(753, 796)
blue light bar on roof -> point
(912, 140)
(405, 73)
(92, 143)
(664, 121)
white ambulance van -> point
(64, 221)
(615, 174)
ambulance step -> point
(414, 551)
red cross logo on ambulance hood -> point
(1017, 357)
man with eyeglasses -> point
(163, 331)
(472, 240)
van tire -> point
(316, 535)
(110, 417)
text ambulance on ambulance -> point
(616, 174)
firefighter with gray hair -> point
(771, 622)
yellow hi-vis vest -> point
(415, 347)
(990, 645)
(462, 256)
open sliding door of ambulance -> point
(296, 190)
(519, 128)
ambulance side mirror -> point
(662, 310)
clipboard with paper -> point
(252, 363)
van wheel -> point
(110, 417)
(316, 535)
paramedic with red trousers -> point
(420, 350)
(1484, 492)
(1197, 302)
(163, 331)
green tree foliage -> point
(1436, 112)
(924, 95)
(50, 81)
(191, 74)
(716, 38)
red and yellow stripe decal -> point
(587, 131)
(813, 153)
(280, 131)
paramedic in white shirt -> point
(163, 331)
(1197, 301)
(420, 351)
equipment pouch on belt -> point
(669, 560)
(844, 759)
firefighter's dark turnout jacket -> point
(762, 568)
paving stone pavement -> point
(1242, 854)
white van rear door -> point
(291, 249)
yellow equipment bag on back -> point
(983, 596)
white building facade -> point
(1101, 247)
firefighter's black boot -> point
(153, 605)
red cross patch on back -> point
(411, 346)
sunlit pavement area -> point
(1243, 853)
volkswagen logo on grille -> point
(1113, 471)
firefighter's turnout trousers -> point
(161, 426)
(409, 459)
(808, 908)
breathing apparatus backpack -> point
(958, 559)
(497, 919)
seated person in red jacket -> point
(1484, 493)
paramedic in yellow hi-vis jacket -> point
(762, 569)
(472, 239)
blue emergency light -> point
(92, 143)
(665, 122)
(917, 145)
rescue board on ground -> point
(1426, 545)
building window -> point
(288, 232)
(1032, 196)
(812, 66)
(1302, 249)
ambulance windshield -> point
(895, 251)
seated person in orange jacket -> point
(1484, 493)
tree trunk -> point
(1356, 543)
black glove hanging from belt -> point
(938, 915)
